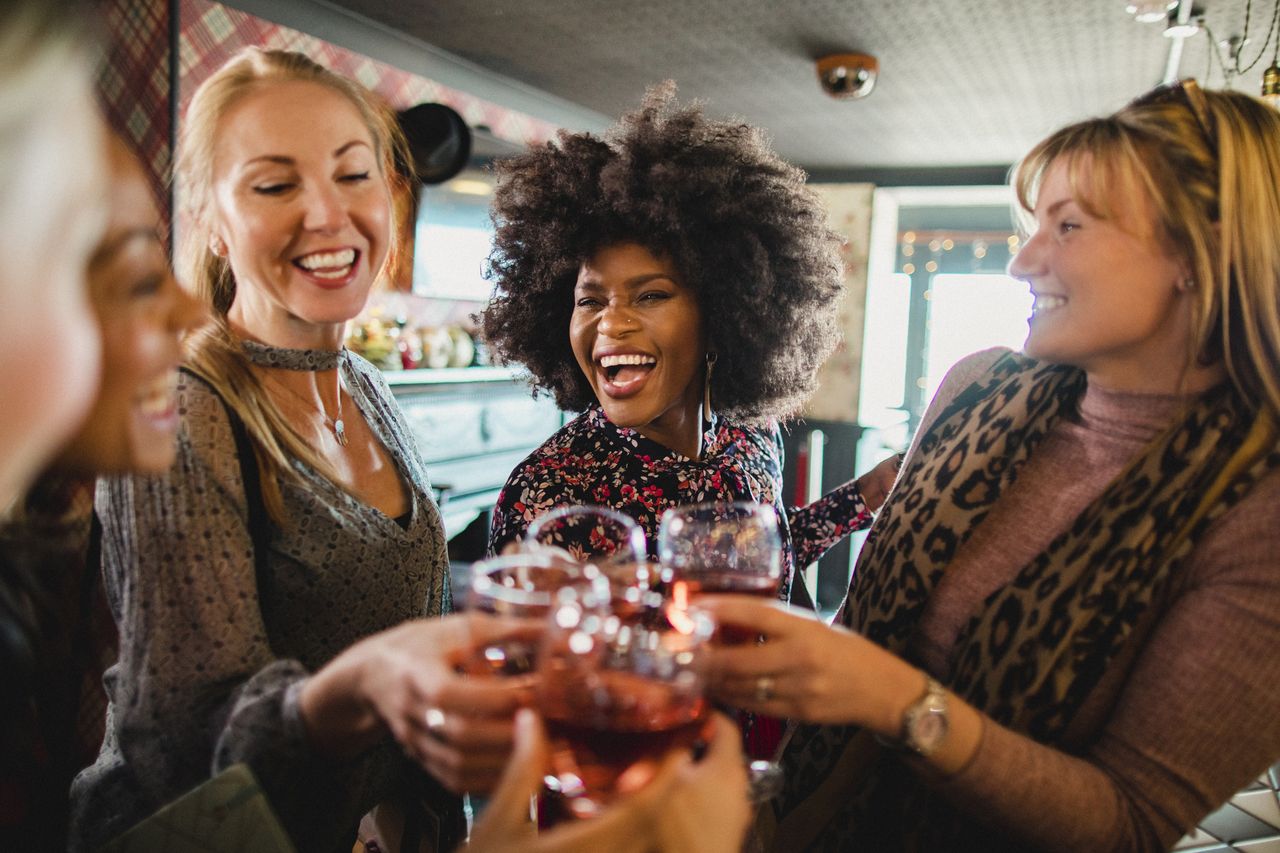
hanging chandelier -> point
(1183, 19)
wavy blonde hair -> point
(213, 352)
(1214, 187)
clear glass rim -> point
(635, 534)
(751, 507)
(674, 519)
(483, 584)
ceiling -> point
(963, 83)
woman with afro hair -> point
(675, 282)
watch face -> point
(928, 731)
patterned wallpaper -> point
(133, 85)
(849, 213)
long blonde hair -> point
(1214, 186)
(213, 352)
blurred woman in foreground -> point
(1064, 620)
(52, 212)
(142, 315)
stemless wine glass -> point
(722, 547)
(521, 585)
(607, 539)
(617, 694)
(729, 547)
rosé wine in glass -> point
(723, 548)
(618, 691)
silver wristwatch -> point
(924, 723)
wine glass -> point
(617, 693)
(611, 541)
(721, 547)
(731, 548)
(520, 585)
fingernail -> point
(524, 720)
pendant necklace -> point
(336, 424)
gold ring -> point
(764, 688)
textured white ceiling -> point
(962, 82)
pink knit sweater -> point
(1197, 716)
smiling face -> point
(1107, 295)
(142, 314)
(302, 211)
(636, 332)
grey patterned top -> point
(202, 683)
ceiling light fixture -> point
(1179, 29)
(848, 75)
(1185, 20)
(1271, 85)
(1149, 11)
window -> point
(969, 312)
(944, 295)
(452, 239)
(937, 291)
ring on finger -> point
(764, 688)
(435, 721)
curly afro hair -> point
(748, 237)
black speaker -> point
(439, 140)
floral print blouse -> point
(593, 461)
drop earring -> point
(706, 387)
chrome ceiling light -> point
(1149, 11)
(1178, 27)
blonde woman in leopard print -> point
(1061, 633)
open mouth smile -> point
(156, 401)
(331, 267)
(1046, 302)
(624, 374)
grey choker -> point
(314, 360)
(265, 355)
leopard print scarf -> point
(1035, 649)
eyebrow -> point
(1053, 208)
(633, 282)
(107, 250)
(285, 160)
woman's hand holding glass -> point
(687, 806)
(818, 673)
(619, 687)
(815, 673)
(407, 680)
